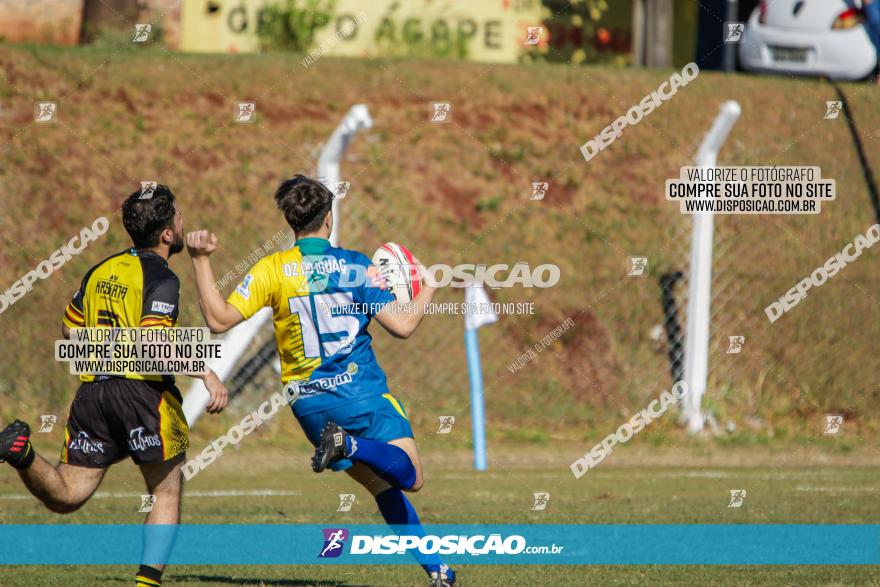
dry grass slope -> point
(458, 193)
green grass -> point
(626, 489)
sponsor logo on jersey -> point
(323, 384)
(162, 307)
(244, 288)
(111, 290)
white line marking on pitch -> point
(835, 489)
(186, 494)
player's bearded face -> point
(177, 243)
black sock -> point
(148, 577)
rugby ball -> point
(396, 265)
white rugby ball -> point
(396, 265)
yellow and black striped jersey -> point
(128, 290)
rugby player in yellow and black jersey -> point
(128, 414)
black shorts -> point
(112, 419)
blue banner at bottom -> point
(230, 544)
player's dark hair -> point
(304, 202)
(145, 215)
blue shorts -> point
(381, 418)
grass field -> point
(636, 485)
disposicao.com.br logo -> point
(402, 544)
(334, 542)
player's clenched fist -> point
(201, 243)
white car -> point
(807, 37)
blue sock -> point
(390, 462)
(398, 511)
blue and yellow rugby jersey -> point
(320, 325)
(130, 289)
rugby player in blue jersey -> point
(321, 314)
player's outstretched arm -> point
(400, 322)
(219, 315)
(216, 389)
(219, 393)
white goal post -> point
(696, 358)
(358, 117)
